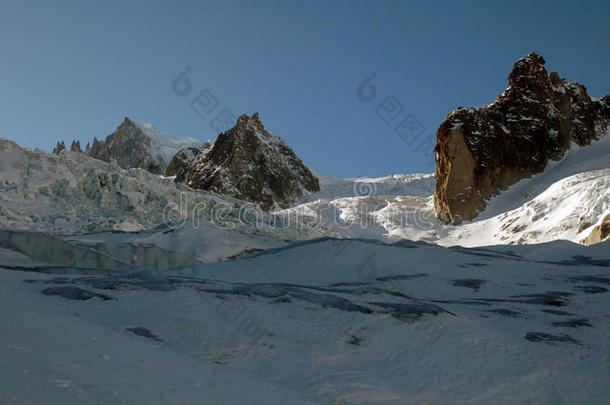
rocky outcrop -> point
(482, 151)
(75, 147)
(61, 146)
(250, 164)
(182, 161)
(599, 233)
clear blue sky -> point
(74, 69)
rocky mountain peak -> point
(244, 120)
(251, 164)
(75, 147)
(61, 146)
(128, 146)
(482, 151)
(128, 125)
(528, 70)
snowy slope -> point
(164, 145)
(325, 321)
(565, 202)
(569, 209)
(593, 157)
(397, 185)
(203, 243)
(52, 354)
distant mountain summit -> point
(482, 151)
(129, 147)
(135, 145)
(251, 164)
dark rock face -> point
(61, 146)
(75, 147)
(482, 151)
(129, 147)
(183, 160)
(250, 164)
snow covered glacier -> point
(121, 286)
(323, 321)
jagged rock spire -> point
(75, 147)
(482, 151)
(61, 146)
(251, 164)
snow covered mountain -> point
(249, 163)
(164, 146)
(136, 145)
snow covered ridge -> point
(164, 145)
